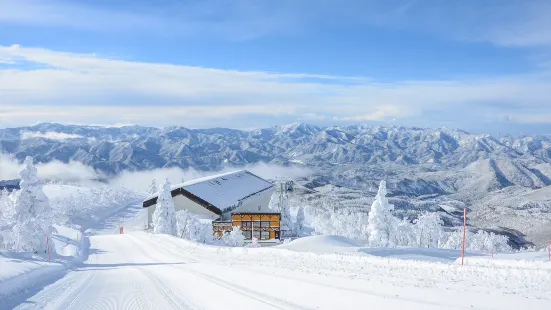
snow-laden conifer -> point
(31, 214)
(381, 225)
(164, 217)
(153, 187)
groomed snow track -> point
(144, 271)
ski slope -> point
(138, 270)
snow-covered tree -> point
(31, 214)
(381, 225)
(254, 243)
(487, 241)
(164, 217)
(5, 207)
(428, 230)
(280, 203)
(190, 228)
(405, 235)
(299, 225)
(455, 239)
(153, 187)
(480, 241)
(185, 223)
(234, 238)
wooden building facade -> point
(263, 226)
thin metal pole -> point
(464, 235)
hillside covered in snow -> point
(503, 181)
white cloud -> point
(51, 171)
(385, 112)
(528, 118)
(82, 88)
(52, 135)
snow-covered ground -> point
(139, 270)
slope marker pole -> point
(48, 246)
(464, 235)
(549, 250)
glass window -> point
(247, 234)
(245, 224)
(257, 234)
(264, 224)
(265, 235)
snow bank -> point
(343, 245)
(22, 270)
(322, 244)
(19, 271)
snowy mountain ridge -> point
(135, 147)
(502, 180)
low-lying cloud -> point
(51, 171)
(52, 135)
(138, 181)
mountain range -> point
(504, 181)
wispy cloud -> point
(84, 88)
(52, 135)
(507, 22)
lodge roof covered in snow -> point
(218, 193)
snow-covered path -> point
(143, 271)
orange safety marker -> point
(464, 235)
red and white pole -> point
(464, 235)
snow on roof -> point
(224, 190)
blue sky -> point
(476, 65)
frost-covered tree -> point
(254, 243)
(299, 225)
(185, 223)
(405, 235)
(190, 228)
(280, 203)
(381, 225)
(480, 241)
(31, 215)
(153, 187)
(455, 239)
(483, 241)
(428, 230)
(5, 207)
(164, 217)
(234, 238)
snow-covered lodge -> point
(237, 198)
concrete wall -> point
(253, 203)
(183, 203)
